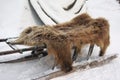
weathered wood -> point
(19, 50)
(95, 63)
(28, 57)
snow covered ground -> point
(15, 15)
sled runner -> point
(38, 52)
(85, 65)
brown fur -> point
(62, 37)
(95, 32)
(76, 22)
(79, 21)
(57, 43)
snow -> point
(17, 15)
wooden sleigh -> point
(36, 52)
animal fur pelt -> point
(60, 41)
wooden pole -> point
(19, 50)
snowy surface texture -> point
(17, 14)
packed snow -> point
(16, 15)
